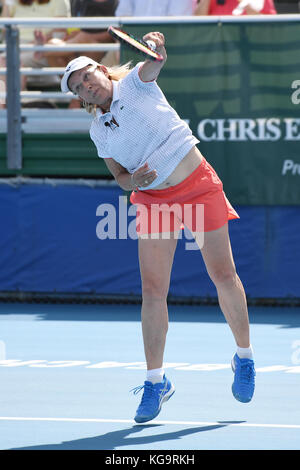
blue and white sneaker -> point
(153, 397)
(244, 378)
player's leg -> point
(156, 260)
(217, 255)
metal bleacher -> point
(17, 119)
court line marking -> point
(131, 421)
(185, 366)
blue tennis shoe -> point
(153, 397)
(244, 378)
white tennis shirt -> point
(149, 129)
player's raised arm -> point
(150, 69)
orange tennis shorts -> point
(198, 202)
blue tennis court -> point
(71, 276)
(67, 371)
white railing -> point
(13, 94)
(95, 23)
(66, 47)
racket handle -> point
(151, 44)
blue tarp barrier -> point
(49, 242)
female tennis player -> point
(151, 151)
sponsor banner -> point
(238, 87)
(80, 239)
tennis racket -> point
(147, 49)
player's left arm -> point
(150, 69)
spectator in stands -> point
(287, 6)
(226, 7)
(82, 8)
(156, 8)
(34, 9)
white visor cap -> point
(73, 65)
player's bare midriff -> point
(189, 164)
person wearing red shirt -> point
(226, 7)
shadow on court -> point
(285, 317)
(116, 439)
